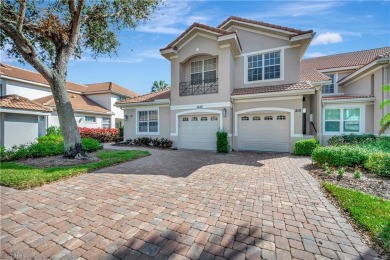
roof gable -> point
(22, 103)
(109, 87)
(151, 97)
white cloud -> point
(315, 54)
(326, 38)
(173, 18)
(151, 54)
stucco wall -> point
(80, 120)
(29, 91)
(19, 129)
(130, 125)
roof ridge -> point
(342, 53)
(36, 72)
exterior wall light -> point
(126, 117)
(224, 112)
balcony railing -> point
(201, 87)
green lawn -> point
(369, 212)
(20, 176)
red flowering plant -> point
(102, 134)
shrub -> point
(340, 155)
(357, 174)
(50, 139)
(222, 142)
(45, 148)
(305, 147)
(53, 130)
(378, 163)
(351, 139)
(101, 134)
(147, 141)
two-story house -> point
(93, 105)
(246, 77)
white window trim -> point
(336, 86)
(362, 118)
(263, 52)
(109, 124)
(158, 121)
(90, 122)
(203, 71)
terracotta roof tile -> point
(274, 26)
(79, 102)
(310, 67)
(197, 25)
(18, 102)
(19, 73)
(274, 88)
(110, 86)
(163, 94)
(345, 97)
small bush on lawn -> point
(340, 155)
(53, 130)
(378, 163)
(305, 147)
(44, 148)
(50, 139)
(222, 142)
(102, 134)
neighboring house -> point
(93, 104)
(20, 120)
(246, 77)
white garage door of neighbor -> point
(199, 131)
(264, 132)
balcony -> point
(199, 87)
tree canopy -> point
(159, 85)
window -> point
(256, 118)
(148, 121)
(203, 118)
(204, 70)
(194, 118)
(185, 119)
(90, 119)
(268, 118)
(245, 118)
(330, 88)
(342, 120)
(106, 122)
(264, 66)
(214, 118)
(281, 117)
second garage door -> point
(199, 132)
(264, 132)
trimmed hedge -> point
(163, 143)
(222, 142)
(378, 163)
(101, 134)
(351, 139)
(340, 155)
(305, 147)
(43, 149)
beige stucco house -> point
(248, 78)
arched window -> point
(245, 118)
(214, 118)
(194, 118)
(281, 117)
(185, 119)
(256, 118)
(203, 118)
(268, 118)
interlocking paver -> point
(181, 205)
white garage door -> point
(264, 132)
(198, 131)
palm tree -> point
(158, 86)
(385, 121)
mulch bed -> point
(58, 160)
(368, 183)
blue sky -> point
(340, 26)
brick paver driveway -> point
(179, 205)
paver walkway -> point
(180, 205)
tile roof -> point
(310, 67)
(274, 88)
(163, 94)
(110, 86)
(270, 25)
(79, 102)
(18, 102)
(19, 73)
(197, 25)
(345, 97)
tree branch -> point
(72, 7)
(22, 14)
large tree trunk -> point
(70, 131)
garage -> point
(264, 132)
(199, 131)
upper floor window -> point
(264, 66)
(330, 88)
(90, 119)
(203, 70)
(147, 121)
